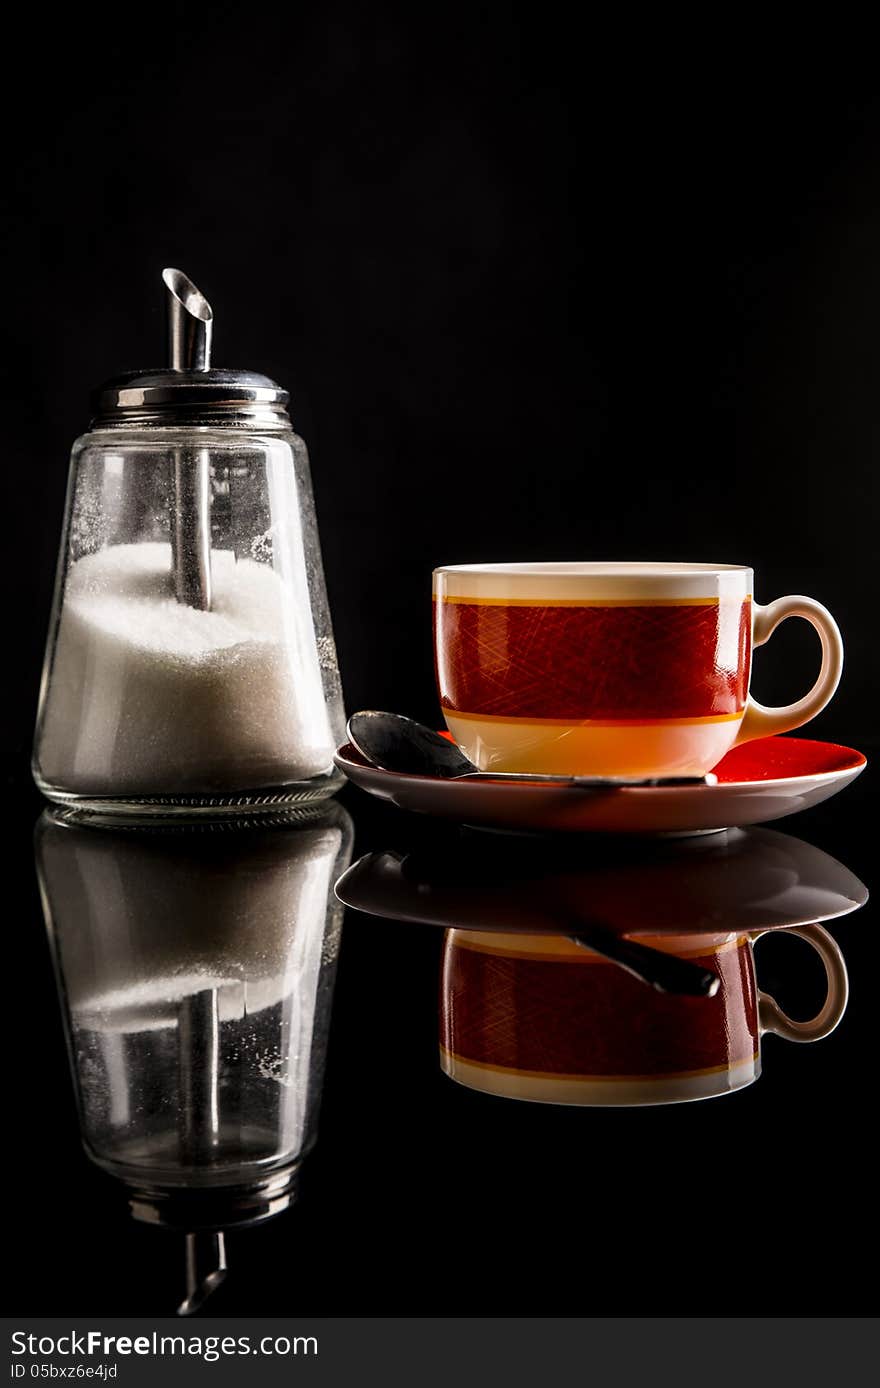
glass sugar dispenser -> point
(190, 664)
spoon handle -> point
(665, 972)
(586, 782)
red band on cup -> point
(688, 660)
(592, 1019)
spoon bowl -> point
(395, 743)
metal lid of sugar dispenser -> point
(189, 391)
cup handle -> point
(771, 1016)
(764, 722)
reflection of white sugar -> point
(153, 1003)
(146, 694)
(271, 1065)
(261, 546)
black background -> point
(537, 291)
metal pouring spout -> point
(190, 324)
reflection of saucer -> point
(760, 781)
(744, 882)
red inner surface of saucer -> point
(772, 758)
(777, 758)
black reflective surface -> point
(422, 1195)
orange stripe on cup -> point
(452, 1057)
(595, 722)
(578, 602)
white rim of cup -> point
(638, 568)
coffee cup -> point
(540, 1018)
(607, 669)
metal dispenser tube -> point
(190, 325)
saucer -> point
(757, 782)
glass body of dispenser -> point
(151, 705)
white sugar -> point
(147, 695)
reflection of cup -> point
(603, 669)
(540, 1018)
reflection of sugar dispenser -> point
(190, 661)
(196, 970)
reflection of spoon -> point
(665, 972)
(394, 743)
